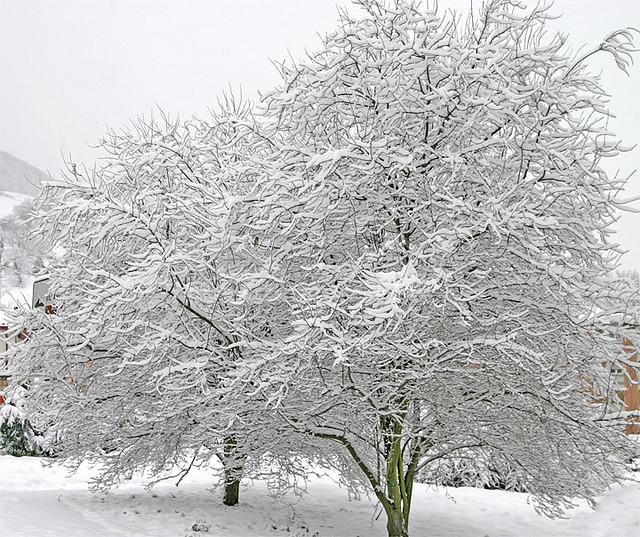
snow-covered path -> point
(41, 501)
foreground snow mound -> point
(42, 500)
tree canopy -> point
(400, 256)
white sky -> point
(69, 68)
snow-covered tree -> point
(155, 300)
(20, 255)
(404, 258)
(439, 217)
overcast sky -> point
(69, 68)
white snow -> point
(43, 501)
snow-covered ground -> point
(38, 501)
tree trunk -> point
(231, 490)
(396, 526)
(233, 463)
(399, 481)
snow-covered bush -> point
(17, 435)
(473, 468)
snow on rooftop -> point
(9, 201)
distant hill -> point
(19, 176)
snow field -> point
(41, 500)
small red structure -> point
(632, 390)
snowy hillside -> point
(16, 175)
(41, 501)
